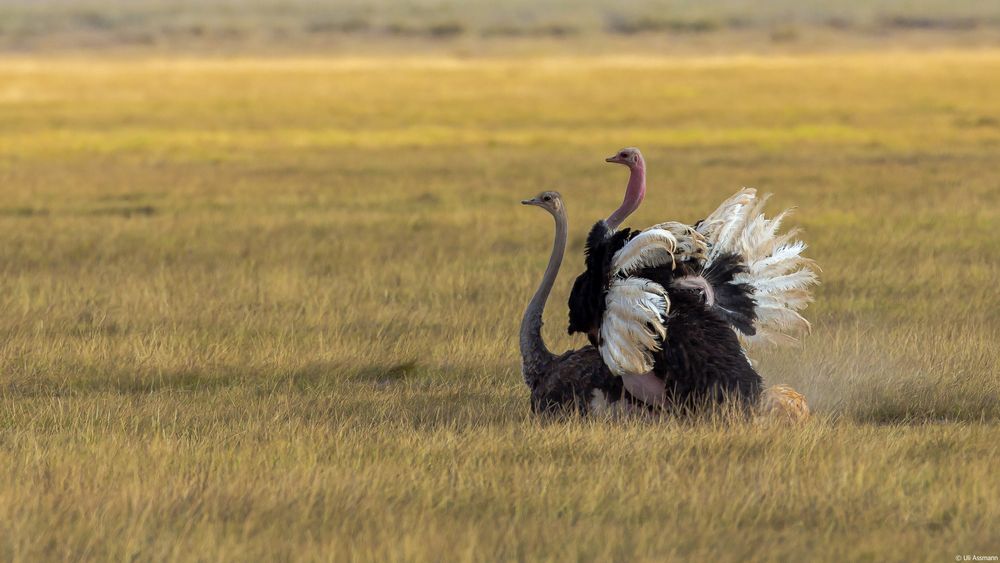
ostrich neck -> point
(534, 354)
(634, 192)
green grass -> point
(266, 309)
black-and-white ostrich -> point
(652, 302)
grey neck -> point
(534, 354)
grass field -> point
(266, 309)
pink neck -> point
(634, 193)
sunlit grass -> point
(266, 309)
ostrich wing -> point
(633, 326)
(659, 246)
(624, 313)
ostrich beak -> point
(614, 159)
(532, 201)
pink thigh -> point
(646, 387)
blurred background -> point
(483, 26)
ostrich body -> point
(666, 307)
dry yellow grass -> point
(266, 309)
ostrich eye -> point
(623, 155)
(547, 198)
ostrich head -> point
(629, 156)
(549, 201)
(636, 189)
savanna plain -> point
(266, 308)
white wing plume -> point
(659, 245)
(633, 325)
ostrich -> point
(733, 263)
(704, 349)
(575, 379)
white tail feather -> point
(780, 276)
(787, 282)
(715, 227)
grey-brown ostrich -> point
(575, 380)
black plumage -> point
(734, 302)
(702, 359)
(569, 382)
(586, 300)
